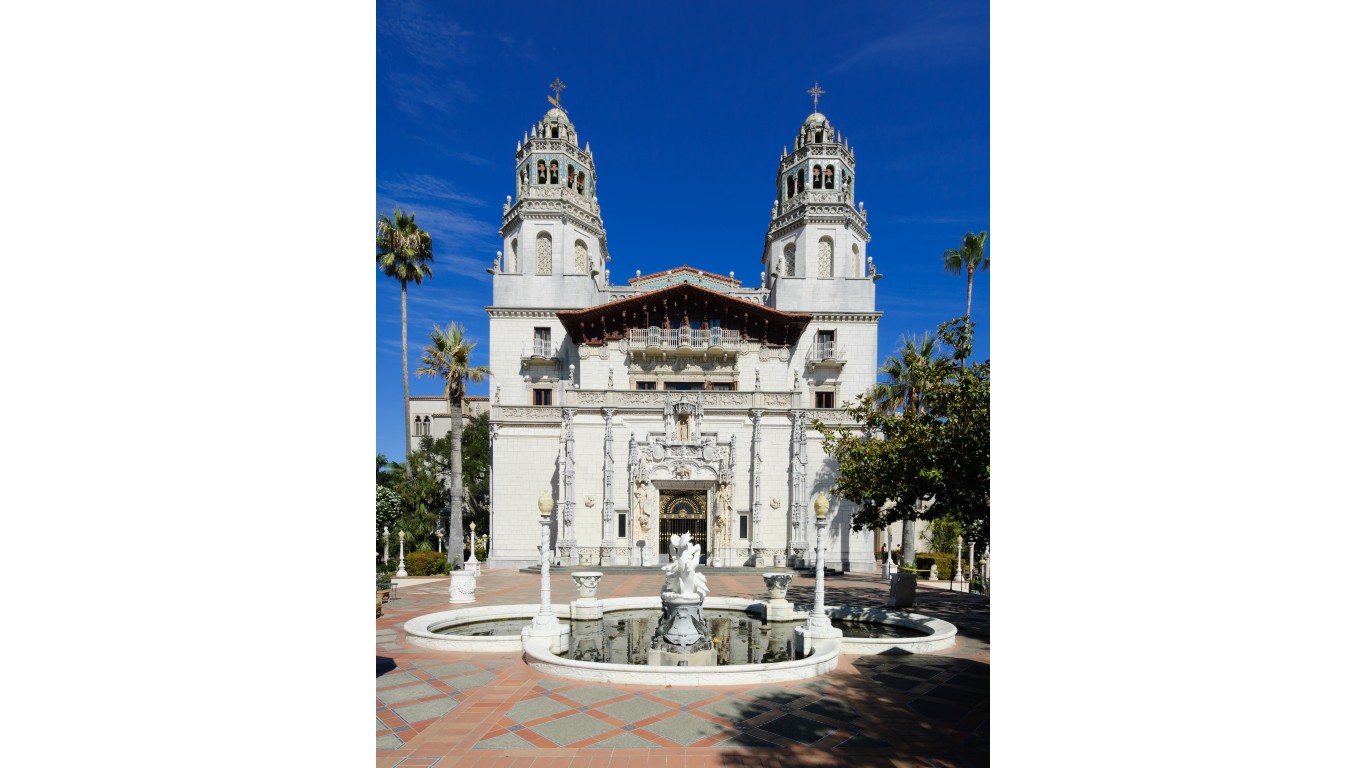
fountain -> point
(609, 641)
(681, 639)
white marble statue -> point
(681, 576)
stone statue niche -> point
(681, 637)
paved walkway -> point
(476, 709)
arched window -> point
(829, 177)
(816, 179)
(789, 260)
(427, 426)
(417, 426)
(543, 253)
(554, 171)
(855, 267)
(580, 257)
(540, 171)
(820, 136)
(569, 178)
(554, 131)
(512, 257)
(801, 180)
(825, 258)
(791, 185)
(580, 182)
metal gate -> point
(682, 512)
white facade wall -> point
(527, 448)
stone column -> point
(797, 542)
(488, 545)
(756, 499)
(545, 626)
(609, 536)
(818, 626)
(569, 545)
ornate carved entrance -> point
(682, 512)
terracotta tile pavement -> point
(478, 709)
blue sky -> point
(687, 108)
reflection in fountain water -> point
(623, 637)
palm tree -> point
(910, 373)
(971, 255)
(448, 358)
(404, 252)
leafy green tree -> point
(942, 535)
(388, 507)
(404, 254)
(914, 368)
(941, 448)
(448, 358)
(970, 256)
(474, 459)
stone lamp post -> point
(440, 537)
(472, 564)
(818, 626)
(958, 575)
(401, 570)
(386, 545)
(545, 627)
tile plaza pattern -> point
(473, 709)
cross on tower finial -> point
(556, 86)
(816, 94)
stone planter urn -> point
(934, 572)
(777, 607)
(462, 586)
(587, 583)
(777, 584)
(587, 606)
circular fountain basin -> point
(498, 629)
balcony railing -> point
(825, 353)
(655, 337)
(538, 348)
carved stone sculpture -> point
(681, 576)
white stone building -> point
(681, 400)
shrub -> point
(945, 561)
(426, 564)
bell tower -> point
(554, 244)
(816, 249)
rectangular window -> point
(540, 397)
(825, 399)
(621, 525)
(744, 527)
(645, 385)
(540, 343)
(683, 385)
(723, 386)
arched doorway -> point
(682, 511)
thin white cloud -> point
(423, 186)
(931, 40)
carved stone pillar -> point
(609, 536)
(568, 546)
(756, 499)
(797, 543)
